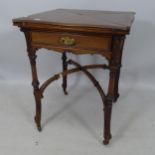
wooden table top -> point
(85, 18)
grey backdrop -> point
(138, 58)
(73, 124)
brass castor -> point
(39, 128)
(65, 92)
(106, 140)
(38, 125)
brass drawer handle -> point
(67, 41)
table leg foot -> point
(65, 92)
(106, 140)
(64, 88)
(38, 124)
(39, 128)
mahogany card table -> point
(78, 32)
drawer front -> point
(80, 43)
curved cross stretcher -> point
(77, 69)
(38, 91)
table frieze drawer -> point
(72, 41)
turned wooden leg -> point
(112, 95)
(116, 91)
(64, 67)
(108, 105)
(35, 84)
(37, 117)
(107, 120)
(118, 42)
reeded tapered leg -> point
(107, 120)
(112, 95)
(116, 92)
(35, 84)
(37, 118)
(108, 105)
(64, 67)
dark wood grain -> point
(112, 21)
